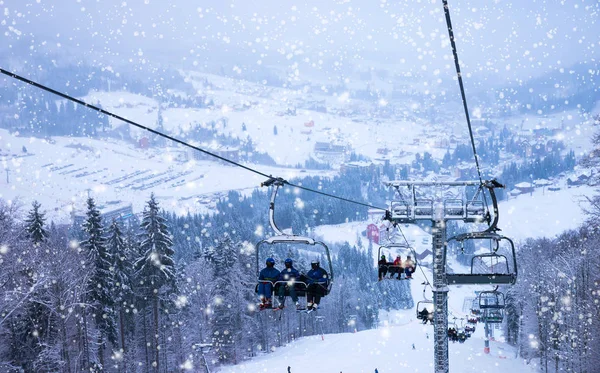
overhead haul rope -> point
(176, 140)
(427, 283)
(462, 88)
(462, 94)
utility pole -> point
(7, 181)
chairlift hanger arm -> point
(276, 183)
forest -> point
(143, 295)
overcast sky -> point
(512, 38)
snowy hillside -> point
(61, 174)
(277, 120)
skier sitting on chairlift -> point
(453, 334)
(409, 267)
(383, 267)
(426, 316)
(318, 280)
(397, 268)
(290, 275)
(266, 278)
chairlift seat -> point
(423, 208)
(299, 287)
(493, 306)
(475, 210)
(454, 208)
(289, 239)
(400, 209)
(493, 319)
(480, 279)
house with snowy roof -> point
(524, 187)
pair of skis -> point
(299, 310)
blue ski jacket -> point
(318, 275)
(288, 274)
(269, 274)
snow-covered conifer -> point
(34, 224)
(100, 284)
(155, 269)
(121, 269)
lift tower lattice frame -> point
(439, 211)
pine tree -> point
(121, 275)
(592, 162)
(232, 326)
(35, 225)
(99, 285)
(155, 269)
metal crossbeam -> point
(397, 183)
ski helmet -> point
(270, 261)
(314, 263)
(289, 261)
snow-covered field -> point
(115, 173)
(544, 213)
(357, 124)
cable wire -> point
(334, 196)
(427, 283)
(176, 140)
(460, 83)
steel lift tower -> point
(415, 204)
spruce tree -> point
(231, 299)
(121, 269)
(100, 285)
(34, 224)
(31, 326)
(155, 269)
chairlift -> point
(499, 266)
(491, 299)
(421, 307)
(279, 238)
(492, 315)
(391, 251)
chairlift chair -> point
(425, 305)
(281, 238)
(493, 316)
(491, 299)
(398, 249)
(499, 266)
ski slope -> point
(389, 347)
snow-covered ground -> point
(544, 213)
(357, 124)
(115, 173)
